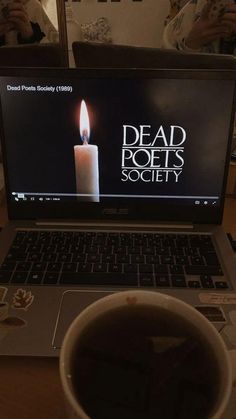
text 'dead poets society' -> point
(157, 159)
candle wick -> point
(85, 137)
(85, 140)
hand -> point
(5, 27)
(206, 30)
(229, 18)
(18, 17)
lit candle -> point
(86, 161)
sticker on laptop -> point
(214, 298)
(22, 299)
(8, 323)
(230, 330)
(3, 293)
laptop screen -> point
(86, 139)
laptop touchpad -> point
(72, 303)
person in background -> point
(25, 22)
(205, 26)
(202, 26)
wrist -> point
(184, 45)
(26, 33)
(36, 36)
(190, 45)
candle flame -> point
(84, 123)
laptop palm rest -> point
(72, 303)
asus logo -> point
(115, 211)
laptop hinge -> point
(88, 224)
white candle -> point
(86, 162)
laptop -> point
(115, 179)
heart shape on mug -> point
(131, 300)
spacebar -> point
(74, 278)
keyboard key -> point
(34, 257)
(5, 276)
(162, 281)
(134, 250)
(109, 258)
(176, 269)
(203, 270)
(34, 248)
(63, 249)
(35, 278)
(114, 267)
(23, 266)
(51, 278)
(130, 268)
(49, 257)
(146, 280)
(123, 259)
(92, 250)
(191, 251)
(163, 251)
(108, 250)
(77, 257)
(8, 266)
(101, 267)
(84, 267)
(16, 256)
(69, 267)
(137, 259)
(19, 277)
(20, 236)
(145, 268)
(221, 284)
(41, 266)
(48, 248)
(232, 242)
(206, 281)
(161, 269)
(54, 267)
(196, 260)
(149, 251)
(153, 259)
(93, 258)
(211, 259)
(168, 242)
(177, 251)
(178, 281)
(182, 240)
(181, 260)
(99, 279)
(64, 257)
(194, 284)
(167, 260)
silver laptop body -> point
(120, 153)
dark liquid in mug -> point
(144, 363)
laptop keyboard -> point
(113, 258)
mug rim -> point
(116, 299)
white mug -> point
(206, 330)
